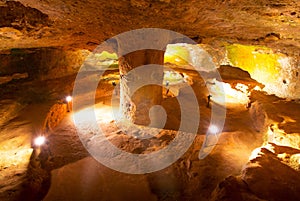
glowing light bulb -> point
(213, 129)
(40, 140)
(69, 99)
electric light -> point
(40, 140)
(69, 99)
(213, 129)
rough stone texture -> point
(55, 115)
(136, 99)
(188, 179)
(277, 71)
(9, 110)
(273, 170)
(24, 31)
(89, 23)
(228, 72)
(233, 188)
(268, 176)
(15, 14)
(10, 33)
(270, 179)
(272, 116)
(15, 76)
(216, 24)
(41, 63)
(16, 149)
(259, 117)
(114, 185)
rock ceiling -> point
(85, 24)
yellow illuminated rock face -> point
(223, 94)
(275, 70)
(278, 72)
(176, 54)
(260, 62)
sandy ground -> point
(187, 179)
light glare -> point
(219, 90)
(69, 99)
(39, 140)
(213, 129)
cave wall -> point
(41, 63)
(277, 71)
(14, 14)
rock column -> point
(135, 99)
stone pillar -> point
(136, 101)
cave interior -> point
(219, 76)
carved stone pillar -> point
(136, 99)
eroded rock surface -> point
(265, 177)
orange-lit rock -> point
(271, 179)
(55, 115)
(136, 99)
(255, 46)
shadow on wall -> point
(41, 63)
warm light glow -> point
(100, 113)
(104, 114)
(69, 99)
(243, 88)
(15, 157)
(261, 62)
(270, 135)
(279, 136)
(174, 77)
(176, 54)
(39, 140)
(257, 88)
(257, 152)
(213, 129)
(292, 160)
(272, 69)
(219, 90)
(102, 60)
